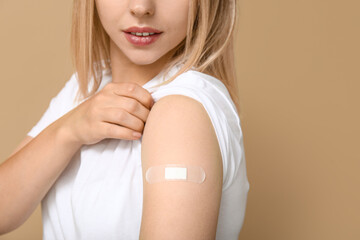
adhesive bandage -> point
(175, 172)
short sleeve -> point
(212, 94)
(58, 106)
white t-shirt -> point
(99, 195)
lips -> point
(142, 29)
(141, 40)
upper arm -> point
(25, 141)
(179, 131)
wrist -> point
(66, 136)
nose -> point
(141, 8)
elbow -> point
(4, 229)
(7, 229)
(7, 226)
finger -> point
(135, 91)
(122, 118)
(130, 105)
(118, 132)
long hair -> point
(208, 46)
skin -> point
(139, 64)
(178, 130)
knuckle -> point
(132, 105)
(131, 87)
(120, 115)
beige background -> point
(298, 64)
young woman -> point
(82, 161)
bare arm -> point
(25, 141)
(28, 174)
(179, 131)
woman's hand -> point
(116, 111)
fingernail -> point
(136, 134)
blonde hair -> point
(207, 48)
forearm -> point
(27, 176)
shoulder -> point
(203, 97)
(180, 110)
(199, 81)
(200, 85)
(178, 130)
(208, 91)
(180, 113)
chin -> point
(143, 60)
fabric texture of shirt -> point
(99, 194)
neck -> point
(124, 70)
